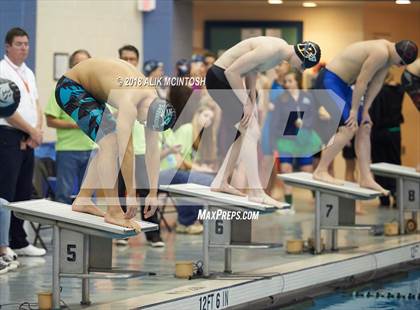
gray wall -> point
(182, 31)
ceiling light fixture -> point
(309, 4)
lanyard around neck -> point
(21, 77)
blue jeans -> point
(71, 167)
(4, 226)
(187, 214)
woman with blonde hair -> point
(199, 151)
(194, 163)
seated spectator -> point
(194, 163)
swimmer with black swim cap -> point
(83, 93)
(309, 53)
(231, 82)
(410, 80)
(365, 65)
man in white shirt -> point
(19, 135)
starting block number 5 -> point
(71, 252)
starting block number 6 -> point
(219, 227)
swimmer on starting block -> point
(364, 64)
(231, 81)
(410, 80)
(83, 93)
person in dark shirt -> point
(386, 115)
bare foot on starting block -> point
(117, 218)
(86, 205)
(370, 183)
(326, 177)
(228, 189)
(264, 199)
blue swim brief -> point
(329, 80)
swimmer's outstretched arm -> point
(369, 68)
(125, 121)
(251, 85)
(374, 88)
(152, 167)
(127, 171)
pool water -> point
(401, 294)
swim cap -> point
(161, 115)
(150, 66)
(407, 50)
(9, 97)
(309, 52)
